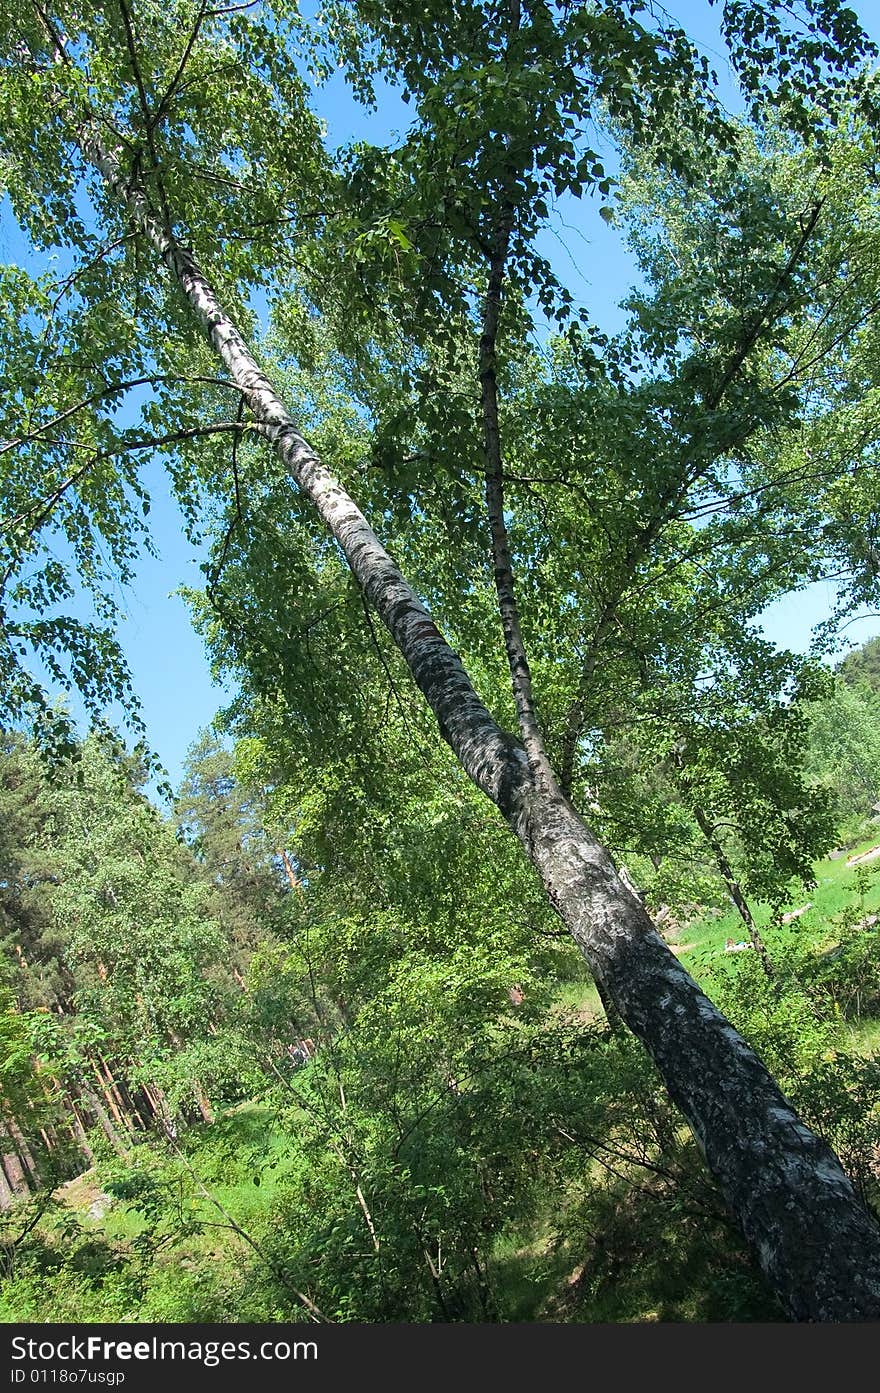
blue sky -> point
(168, 663)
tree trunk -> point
(129, 1100)
(114, 1096)
(815, 1241)
(733, 888)
(14, 1174)
(7, 1195)
(817, 1245)
(161, 1111)
(98, 1111)
(293, 878)
(78, 1132)
(204, 1104)
(142, 1106)
(22, 1149)
(107, 1092)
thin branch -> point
(165, 101)
(83, 270)
(56, 36)
(667, 505)
(314, 1311)
(798, 366)
(148, 119)
(111, 391)
(9, 1245)
(214, 177)
(857, 618)
(618, 1155)
(764, 318)
(231, 9)
(45, 506)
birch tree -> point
(155, 141)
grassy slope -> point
(841, 890)
(837, 890)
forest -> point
(510, 948)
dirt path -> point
(865, 856)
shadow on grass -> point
(633, 1256)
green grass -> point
(839, 889)
(579, 999)
(860, 1037)
(529, 1268)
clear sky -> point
(168, 663)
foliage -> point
(844, 747)
(862, 666)
(333, 943)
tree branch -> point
(149, 123)
(45, 506)
(520, 674)
(488, 754)
(113, 390)
(765, 317)
(74, 276)
(667, 504)
(168, 97)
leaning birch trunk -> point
(816, 1243)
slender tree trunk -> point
(151, 1099)
(817, 1244)
(293, 878)
(115, 1095)
(79, 1133)
(22, 1150)
(517, 658)
(508, 608)
(577, 712)
(108, 1093)
(142, 1106)
(203, 1101)
(439, 1294)
(129, 1103)
(734, 889)
(161, 1111)
(14, 1174)
(98, 1111)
